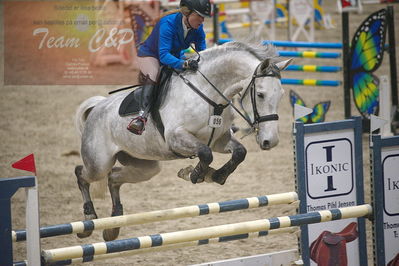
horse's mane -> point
(258, 50)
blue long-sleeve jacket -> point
(166, 41)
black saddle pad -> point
(131, 104)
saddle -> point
(132, 102)
(394, 261)
(329, 249)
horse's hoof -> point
(197, 175)
(195, 178)
(84, 234)
(111, 234)
(184, 173)
(219, 178)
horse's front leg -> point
(205, 159)
(184, 143)
(227, 143)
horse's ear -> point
(265, 64)
(283, 64)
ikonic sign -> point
(329, 165)
(386, 194)
(329, 168)
(390, 168)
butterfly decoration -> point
(366, 54)
(141, 22)
(319, 110)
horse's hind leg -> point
(133, 170)
(88, 207)
(96, 168)
(117, 207)
(228, 144)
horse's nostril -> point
(266, 144)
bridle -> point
(271, 71)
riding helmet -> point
(202, 7)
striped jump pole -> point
(204, 233)
(321, 45)
(304, 54)
(295, 44)
(161, 215)
(288, 230)
(313, 68)
(324, 45)
(311, 82)
(309, 54)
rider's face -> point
(195, 20)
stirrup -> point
(135, 130)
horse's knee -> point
(205, 155)
(97, 166)
(82, 183)
(239, 154)
(78, 171)
(93, 174)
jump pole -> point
(313, 68)
(309, 54)
(324, 45)
(311, 82)
(288, 230)
(161, 215)
(205, 233)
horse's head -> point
(262, 97)
(249, 69)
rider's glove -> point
(190, 64)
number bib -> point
(215, 121)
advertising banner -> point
(330, 176)
(74, 42)
(385, 173)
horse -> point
(191, 101)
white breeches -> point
(149, 66)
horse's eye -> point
(260, 95)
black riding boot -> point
(137, 125)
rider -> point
(173, 33)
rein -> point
(219, 108)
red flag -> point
(346, 3)
(27, 164)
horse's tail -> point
(98, 188)
(84, 110)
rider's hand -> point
(190, 64)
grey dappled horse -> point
(234, 68)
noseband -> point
(271, 71)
